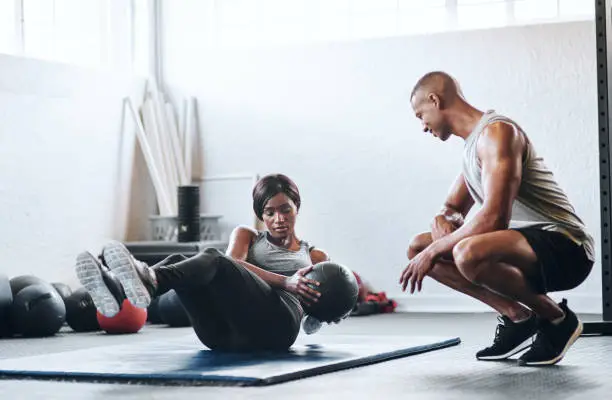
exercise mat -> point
(185, 361)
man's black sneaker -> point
(137, 279)
(553, 341)
(510, 338)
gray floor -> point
(445, 374)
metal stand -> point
(602, 25)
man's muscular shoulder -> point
(500, 139)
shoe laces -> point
(499, 330)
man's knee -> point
(418, 244)
(468, 258)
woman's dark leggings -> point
(230, 308)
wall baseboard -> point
(579, 302)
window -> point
(481, 14)
(475, 2)
(373, 18)
(8, 27)
(576, 8)
(425, 20)
(38, 28)
(327, 20)
(80, 32)
(364, 7)
(100, 32)
(404, 5)
(525, 10)
(140, 48)
(89, 33)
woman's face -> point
(279, 215)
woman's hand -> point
(298, 285)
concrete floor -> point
(451, 373)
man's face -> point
(427, 108)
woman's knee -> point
(418, 244)
(210, 255)
(175, 258)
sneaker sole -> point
(523, 346)
(555, 360)
(89, 275)
(119, 261)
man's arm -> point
(458, 202)
(500, 150)
(318, 255)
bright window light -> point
(404, 5)
(373, 6)
(482, 15)
(535, 10)
(8, 39)
(38, 33)
(238, 12)
(468, 2)
(80, 32)
(282, 9)
(426, 20)
(328, 27)
(141, 31)
(69, 31)
(376, 25)
(330, 7)
(576, 8)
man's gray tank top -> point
(266, 255)
(540, 203)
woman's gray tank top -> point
(266, 255)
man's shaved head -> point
(439, 83)
(434, 94)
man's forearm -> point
(272, 279)
(483, 222)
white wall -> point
(336, 118)
(66, 163)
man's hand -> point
(441, 226)
(298, 284)
(417, 269)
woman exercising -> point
(249, 299)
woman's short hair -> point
(271, 185)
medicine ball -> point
(81, 311)
(22, 281)
(62, 289)
(130, 319)
(6, 300)
(338, 288)
(37, 311)
(171, 310)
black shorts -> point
(562, 264)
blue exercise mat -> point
(185, 361)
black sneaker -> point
(553, 341)
(136, 277)
(510, 338)
(90, 274)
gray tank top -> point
(540, 202)
(279, 260)
(266, 255)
